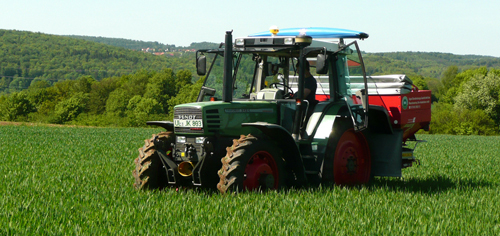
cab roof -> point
(315, 32)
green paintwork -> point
(233, 114)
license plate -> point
(188, 123)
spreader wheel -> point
(352, 161)
(149, 172)
(251, 164)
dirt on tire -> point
(232, 173)
(149, 172)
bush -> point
(99, 120)
(449, 120)
(481, 93)
(117, 102)
(70, 108)
(15, 106)
(140, 110)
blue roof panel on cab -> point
(315, 32)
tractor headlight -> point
(181, 139)
(199, 139)
(240, 42)
(288, 41)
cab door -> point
(353, 92)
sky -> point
(460, 27)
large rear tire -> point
(352, 162)
(251, 164)
(347, 161)
(149, 172)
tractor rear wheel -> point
(347, 160)
(149, 172)
(251, 164)
(352, 162)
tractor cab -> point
(270, 66)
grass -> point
(78, 181)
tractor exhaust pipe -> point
(227, 92)
(185, 168)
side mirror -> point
(205, 91)
(321, 64)
(208, 91)
(201, 65)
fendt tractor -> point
(251, 127)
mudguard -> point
(384, 142)
(291, 152)
(379, 121)
(386, 152)
(168, 125)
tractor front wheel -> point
(149, 172)
(251, 164)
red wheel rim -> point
(352, 162)
(261, 172)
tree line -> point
(27, 57)
(56, 79)
(424, 64)
(465, 102)
(128, 100)
(138, 45)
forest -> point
(27, 57)
(103, 82)
(139, 45)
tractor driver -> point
(309, 92)
(310, 87)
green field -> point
(78, 181)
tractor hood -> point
(222, 118)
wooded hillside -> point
(140, 45)
(425, 64)
(26, 57)
(57, 79)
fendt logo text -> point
(187, 117)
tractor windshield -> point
(243, 71)
(354, 89)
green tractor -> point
(251, 127)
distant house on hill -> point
(166, 52)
